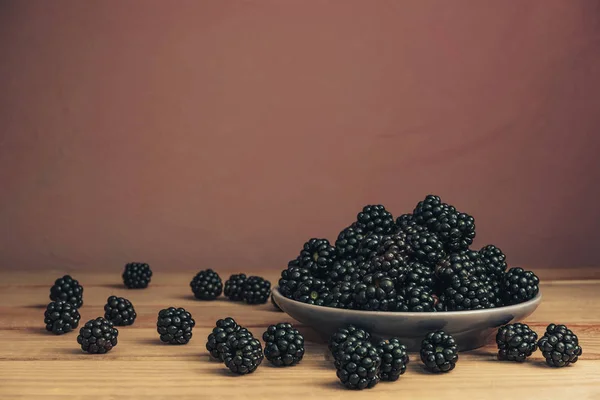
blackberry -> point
(284, 345)
(312, 291)
(419, 275)
(494, 289)
(375, 293)
(392, 263)
(242, 353)
(426, 247)
(369, 245)
(175, 325)
(137, 275)
(67, 289)
(560, 346)
(519, 285)
(455, 229)
(375, 218)
(97, 336)
(454, 264)
(342, 295)
(515, 342)
(119, 311)
(342, 270)
(207, 285)
(401, 303)
(61, 317)
(405, 221)
(291, 278)
(394, 359)
(342, 335)
(439, 352)
(494, 260)
(294, 263)
(256, 290)
(397, 243)
(317, 256)
(358, 365)
(419, 299)
(234, 286)
(466, 293)
(348, 241)
(223, 329)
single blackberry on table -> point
(175, 325)
(67, 289)
(515, 342)
(97, 336)
(559, 346)
(242, 353)
(342, 270)
(439, 352)
(348, 241)
(494, 260)
(119, 311)
(61, 317)
(223, 329)
(519, 285)
(466, 293)
(312, 291)
(342, 295)
(256, 290)
(426, 247)
(375, 218)
(369, 245)
(234, 286)
(392, 263)
(137, 275)
(207, 285)
(394, 359)
(375, 293)
(358, 365)
(342, 335)
(317, 256)
(291, 278)
(284, 345)
(419, 299)
(419, 275)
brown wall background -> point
(205, 133)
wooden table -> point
(35, 363)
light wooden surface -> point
(35, 363)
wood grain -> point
(34, 363)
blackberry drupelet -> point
(419, 299)
(426, 247)
(369, 245)
(439, 352)
(284, 345)
(67, 289)
(348, 241)
(375, 218)
(394, 359)
(519, 286)
(97, 336)
(242, 353)
(256, 290)
(137, 275)
(318, 256)
(393, 264)
(119, 311)
(358, 365)
(342, 335)
(560, 346)
(494, 260)
(175, 325)
(223, 329)
(419, 275)
(375, 293)
(61, 317)
(234, 286)
(342, 270)
(291, 278)
(515, 342)
(312, 291)
(466, 293)
(207, 285)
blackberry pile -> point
(420, 262)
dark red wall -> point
(206, 133)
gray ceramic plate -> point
(470, 329)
